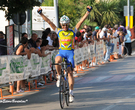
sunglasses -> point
(65, 24)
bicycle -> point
(64, 86)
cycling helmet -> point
(64, 19)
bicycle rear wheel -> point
(62, 92)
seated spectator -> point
(32, 41)
(3, 49)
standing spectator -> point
(3, 50)
(108, 45)
(128, 42)
(125, 31)
(55, 40)
(44, 38)
(94, 34)
(114, 31)
(85, 27)
(103, 35)
(121, 40)
(89, 37)
(49, 38)
(21, 49)
(95, 38)
(121, 26)
(41, 51)
(32, 41)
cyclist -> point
(66, 45)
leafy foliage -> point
(16, 6)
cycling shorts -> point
(67, 54)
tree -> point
(109, 12)
(17, 6)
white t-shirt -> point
(84, 36)
(101, 34)
(50, 42)
(115, 34)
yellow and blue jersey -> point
(66, 39)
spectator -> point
(89, 37)
(49, 38)
(125, 31)
(79, 39)
(114, 31)
(116, 26)
(85, 27)
(121, 26)
(94, 34)
(121, 40)
(103, 35)
(128, 42)
(95, 38)
(121, 48)
(41, 51)
(25, 35)
(55, 40)
(32, 41)
(44, 38)
(21, 49)
(108, 45)
(3, 49)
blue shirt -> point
(128, 39)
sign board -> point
(131, 11)
(37, 22)
(10, 39)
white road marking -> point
(129, 77)
(109, 107)
(99, 79)
(114, 105)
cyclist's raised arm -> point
(46, 19)
(83, 18)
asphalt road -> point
(107, 87)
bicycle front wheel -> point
(67, 93)
(62, 92)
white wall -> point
(3, 21)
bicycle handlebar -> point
(63, 64)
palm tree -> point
(109, 12)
